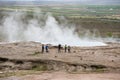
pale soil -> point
(68, 76)
(108, 56)
(105, 55)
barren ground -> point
(83, 63)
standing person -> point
(65, 48)
(59, 48)
(69, 49)
(46, 48)
(42, 48)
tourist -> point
(65, 48)
(69, 49)
(46, 48)
(59, 48)
(42, 48)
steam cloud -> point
(44, 28)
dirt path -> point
(67, 76)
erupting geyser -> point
(18, 26)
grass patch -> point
(35, 53)
(39, 68)
(109, 34)
(98, 68)
(19, 73)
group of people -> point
(46, 48)
(66, 48)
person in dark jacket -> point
(42, 48)
(59, 48)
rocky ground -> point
(83, 63)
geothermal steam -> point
(18, 26)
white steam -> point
(41, 28)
